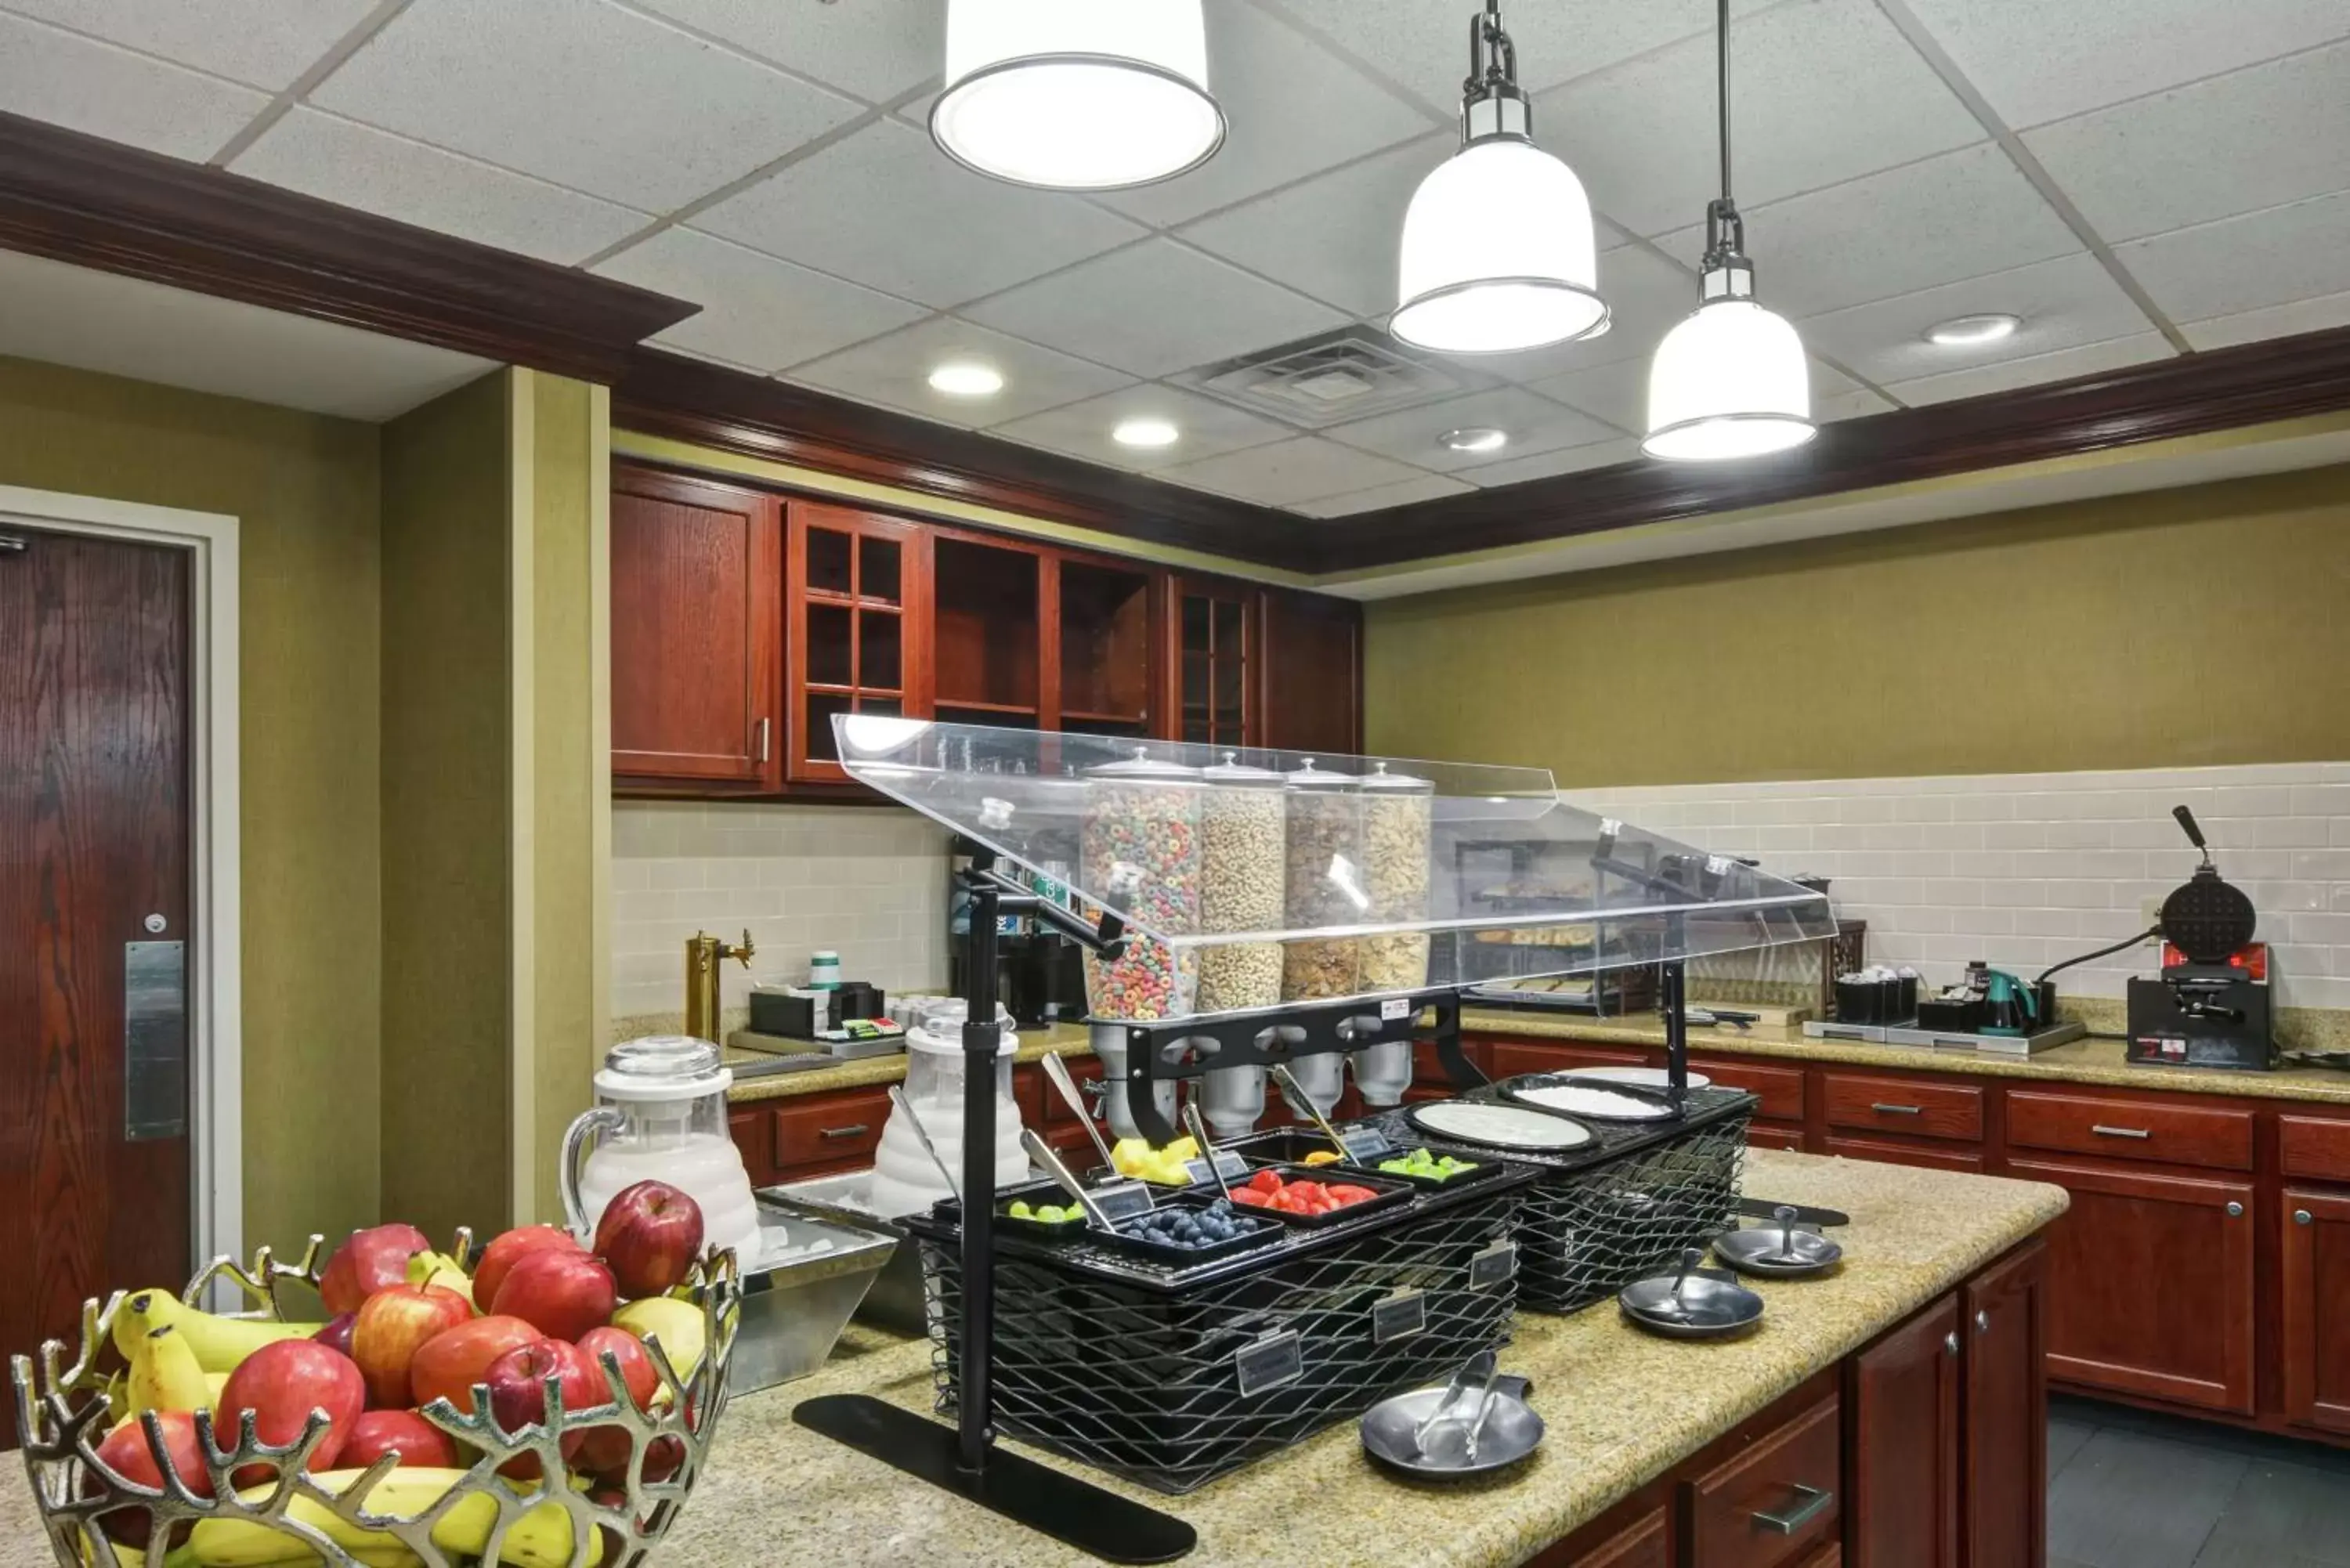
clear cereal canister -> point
(1141, 848)
(1322, 861)
(1243, 824)
(1397, 810)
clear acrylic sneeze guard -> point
(1484, 866)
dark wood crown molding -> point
(119, 209)
(757, 416)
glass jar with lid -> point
(1322, 860)
(1396, 813)
(1140, 844)
(1243, 827)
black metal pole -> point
(1676, 1006)
(982, 1039)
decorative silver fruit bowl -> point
(380, 1516)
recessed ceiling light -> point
(1966, 331)
(965, 379)
(1145, 432)
(1476, 437)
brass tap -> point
(705, 956)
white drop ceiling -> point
(2134, 180)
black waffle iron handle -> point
(2194, 834)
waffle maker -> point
(2209, 1008)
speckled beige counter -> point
(1061, 1040)
(2081, 1062)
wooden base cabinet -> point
(1903, 1448)
(2005, 1426)
(2315, 1319)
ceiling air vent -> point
(1349, 374)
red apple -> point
(392, 1326)
(282, 1383)
(563, 1293)
(336, 1335)
(606, 1451)
(651, 1233)
(370, 1260)
(127, 1453)
(416, 1441)
(510, 1248)
(517, 1383)
(447, 1366)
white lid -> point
(1311, 777)
(662, 1067)
(822, 955)
(1142, 767)
(1379, 778)
(941, 1031)
(1234, 772)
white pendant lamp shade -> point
(1078, 95)
(1498, 254)
(1730, 382)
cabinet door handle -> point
(2104, 1131)
(1949, 1344)
(859, 1130)
(2235, 1210)
(1881, 1106)
(762, 740)
(2301, 1216)
(1811, 1501)
(1982, 1321)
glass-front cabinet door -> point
(1215, 663)
(855, 584)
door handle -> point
(2104, 1131)
(1811, 1501)
(762, 740)
(1880, 1106)
(1982, 1321)
(2301, 1216)
(1950, 1344)
(12, 545)
(2235, 1210)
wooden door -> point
(857, 591)
(94, 1090)
(2006, 1412)
(2151, 1285)
(2316, 1283)
(1903, 1452)
(1213, 627)
(697, 617)
(1311, 673)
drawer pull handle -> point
(1810, 1503)
(1949, 1344)
(1982, 1321)
(2301, 1216)
(859, 1130)
(1881, 1106)
(2102, 1130)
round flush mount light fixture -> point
(1967, 332)
(966, 378)
(1475, 438)
(1145, 432)
(1078, 95)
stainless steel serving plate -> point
(1707, 1305)
(1778, 1251)
(1511, 1432)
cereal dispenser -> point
(1398, 812)
(1243, 827)
(1322, 860)
(1141, 853)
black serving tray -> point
(1387, 1193)
(1289, 1146)
(1259, 1231)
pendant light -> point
(1730, 380)
(1498, 250)
(1078, 95)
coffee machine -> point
(1039, 972)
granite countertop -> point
(2087, 1061)
(1622, 1408)
(1061, 1040)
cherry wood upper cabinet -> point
(697, 617)
(856, 625)
(2003, 1330)
(1214, 634)
(2316, 1283)
(1311, 673)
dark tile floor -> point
(2127, 1489)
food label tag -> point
(1365, 1145)
(1234, 1167)
(1121, 1200)
(1399, 1317)
(1268, 1363)
(1396, 1007)
(1494, 1266)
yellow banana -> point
(440, 1268)
(164, 1374)
(216, 1383)
(220, 1343)
(677, 1325)
(540, 1539)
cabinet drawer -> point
(1775, 1135)
(1904, 1106)
(1885, 1151)
(2314, 1145)
(1774, 1503)
(830, 1131)
(2131, 1129)
(1781, 1088)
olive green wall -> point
(2183, 627)
(304, 490)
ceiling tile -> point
(1955, 216)
(1423, 47)
(1532, 424)
(1333, 236)
(757, 310)
(1616, 393)
(2064, 303)
(1825, 90)
(1403, 492)
(877, 49)
(1551, 464)
(1155, 308)
(1082, 429)
(1290, 471)
(1851, 403)
(582, 93)
(2300, 251)
(895, 371)
(2275, 321)
(2037, 61)
(2086, 360)
(2253, 137)
(376, 172)
(84, 85)
(884, 206)
(1292, 108)
(262, 42)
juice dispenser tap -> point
(706, 956)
